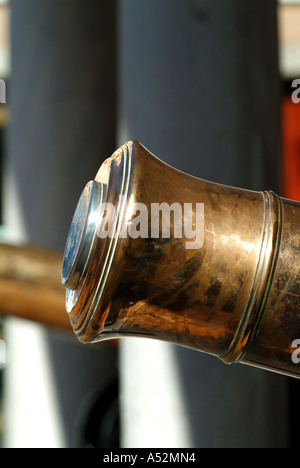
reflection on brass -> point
(30, 285)
(236, 296)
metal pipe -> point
(30, 285)
(233, 291)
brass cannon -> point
(218, 273)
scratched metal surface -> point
(200, 87)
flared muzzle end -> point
(81, 239)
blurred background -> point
(206, 85)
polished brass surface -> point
(236, 296)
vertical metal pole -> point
(62, 105)
(199, 87)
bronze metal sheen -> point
(237, 297)
(30, 286)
